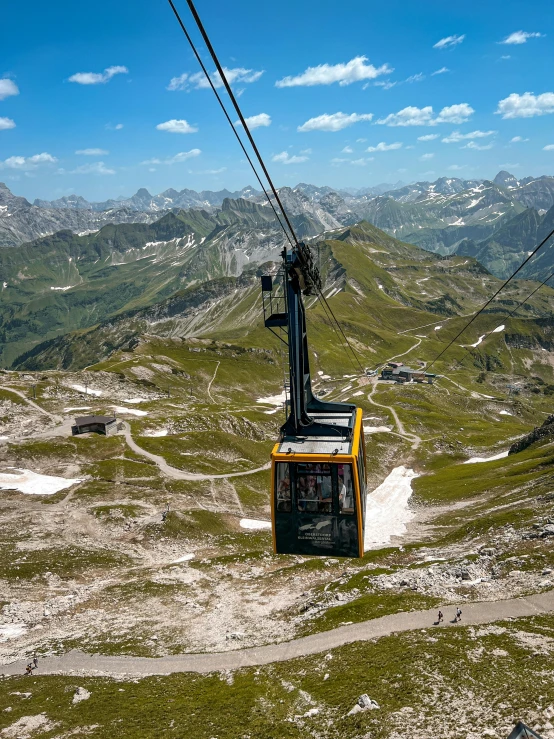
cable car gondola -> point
(318, 465)
(318, 479)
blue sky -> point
(117, 82)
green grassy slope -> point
(379, 286)
(65, 282)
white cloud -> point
(361, 141)
(305, 151)
(179, 83)
(520, 37)
(92, 152)
(333, 122)
(198, 80)
(412, 116)
(255, 121)
(419, 77)
(449, 41)
(213, 171)
(455, 113)
(442, 70)
(548, 147)
(285, 158)
(477, 147)
(176, 126)
(381, 146)
(361, 162)
(457, 167)
(28, 163)
(6, 123)
(505, 56)
(97, 78)
(509, 165)
(526, 105)
(423, 157)
(182, 156)
(347, 150)
(117, 127)
(455, 137)
(92, 168)
(7, 88)
(339, 160)
(385, 85)
(517, 140)
(345, 74)
(428, 137)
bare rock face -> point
(21, 222)
(505, 179)
(81, 694)
(364, 703)
(540, 432)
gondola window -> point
(282, 487)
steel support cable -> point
(238, 110)
(247, 131)
(219, 100)
(328, 310)
(329, 322)
(518, 306)
(468, 324)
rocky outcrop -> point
(540, 432)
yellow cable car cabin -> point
(318, 479)
(318, 492)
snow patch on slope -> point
(31, 483)
(474, 460)
(387, 511)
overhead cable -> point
(518, 306)
(252, 143)
(238, 110)
(324, 302)
(219, 100)
(504, 284)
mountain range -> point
(66, 281)
(20, 221)
(142, 200)
(66, 300)
(497, 221)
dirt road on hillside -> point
(177, 474)
(78, 663)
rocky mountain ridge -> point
(65, 281)
(143, 201)
(133, 283)
(20, 221)
(472, 217)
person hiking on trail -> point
(29, 669)
(458, 614)
(441, 617)
(35, 661)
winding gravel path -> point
(55, 418)
(414, 438)
(78, 663)
(174, 472)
